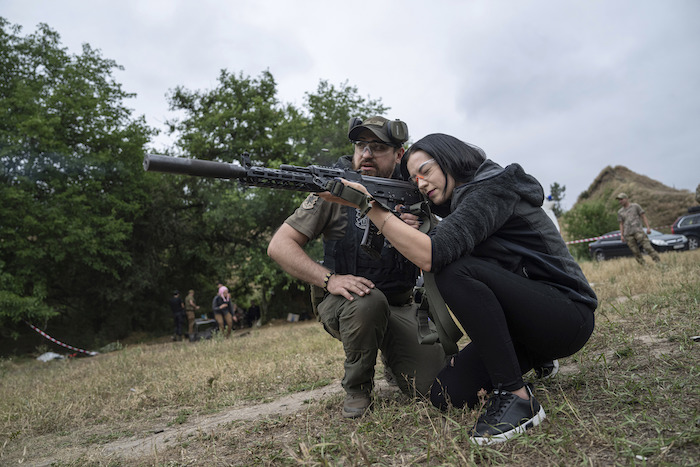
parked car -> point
(688, 225)
(610, 245)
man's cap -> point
(394, 132)
(621, 196)
(176, 292)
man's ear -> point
(399, 155)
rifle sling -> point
(446, 329)
(348, 193)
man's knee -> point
(344, 318)
(373, 306)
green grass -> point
(629, 397)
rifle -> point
(314, 178)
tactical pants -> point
(179, 323)
(640, 239)
(368, 324)
(190, 323)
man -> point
(190, 308)
(630, 216)
(178, 309)
(367, 301)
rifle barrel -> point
(198, 168)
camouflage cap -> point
(393, 133)
(621, 196)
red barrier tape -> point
(593, 239)
(86, 352)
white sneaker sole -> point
(555, 370)
(505, 436)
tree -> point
(71, 185)
(588, 220)
(557, 191)
(328, 112)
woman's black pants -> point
(514, 324)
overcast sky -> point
(565, 88)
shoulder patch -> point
(310, 202)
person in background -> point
(191, 308)
(363, 302)
(253, 314)
(221, 306)
(504, 272)
(630, 216)
(178, 309)
(237, 315)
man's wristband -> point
(325, 281)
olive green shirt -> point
(317, 217)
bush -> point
(587, 220)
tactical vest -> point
(392, 274)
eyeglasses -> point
(374, 147)
(421, 173)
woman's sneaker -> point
(505, 416)
(547, 370)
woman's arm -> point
(410, 242)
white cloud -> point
(564, 88)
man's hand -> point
(347, 284)
(408, 218)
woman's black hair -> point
(455, 157)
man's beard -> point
(373, 171)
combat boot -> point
(356, 404)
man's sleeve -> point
(316, 216)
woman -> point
(503, 270)
(221, 306)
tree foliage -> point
(328, 112)
(71, 155)
(557, 192)
(93, 245)
(587, 220)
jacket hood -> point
(512, 178)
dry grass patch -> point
(630, 397)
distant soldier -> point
(191, 308)
(178, 308)
(630, 216)
(697, 193)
